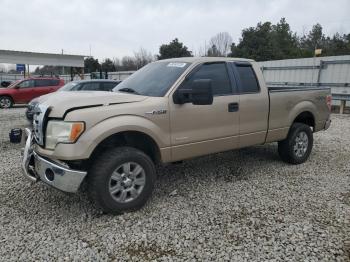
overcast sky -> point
(116, 28)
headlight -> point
(62, 132)
(32, 104)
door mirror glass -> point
(198, 93)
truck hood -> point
(61, 102)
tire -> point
(6, 102)
(101, 183)
(296, 148)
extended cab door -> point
(253, 103)
(201, 129)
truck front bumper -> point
(36, 168)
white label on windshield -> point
(176, 64)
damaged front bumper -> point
(37, 168)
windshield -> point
(154, 79)
(68, 87)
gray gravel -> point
(243, 205)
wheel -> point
(296, 148)
(5, 102)
(121, 179)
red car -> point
(23, 91)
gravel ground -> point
(243, 205)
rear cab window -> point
(247, 81)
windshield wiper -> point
(128, 90)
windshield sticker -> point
(176, 65)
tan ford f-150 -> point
(168, 111)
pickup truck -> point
(168, 111)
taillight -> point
(329, 102)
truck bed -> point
(288, 102)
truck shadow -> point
(227, 167)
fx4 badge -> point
(156, 112)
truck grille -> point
(39, 115)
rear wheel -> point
(121, 179)
(296, 148)
(5, 102)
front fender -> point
(92, 137)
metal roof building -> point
(329, 71)
(31, 58)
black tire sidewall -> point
(9, 98)
(296, 129)
(99, 178)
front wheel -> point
(5, 102)
(121, 179)
(296, 148)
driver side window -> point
(217, 73)
(26, 84)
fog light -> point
(49, 174)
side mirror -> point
(200, 93)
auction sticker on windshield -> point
(176, 65)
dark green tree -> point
(336, 45)
(256, 43)
(91, 65)
(108, 65)
(314, 40)
(271, 42)
(285, 42)
(173, 49)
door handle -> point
(233, 107)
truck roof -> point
(205, 59)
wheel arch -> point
(136, 139)
(305, 117)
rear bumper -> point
(36, 168)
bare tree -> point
(213, 51)
(117, 63)
(128, 63)
(142, 57)
(222, 42)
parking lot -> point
(239, 205)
